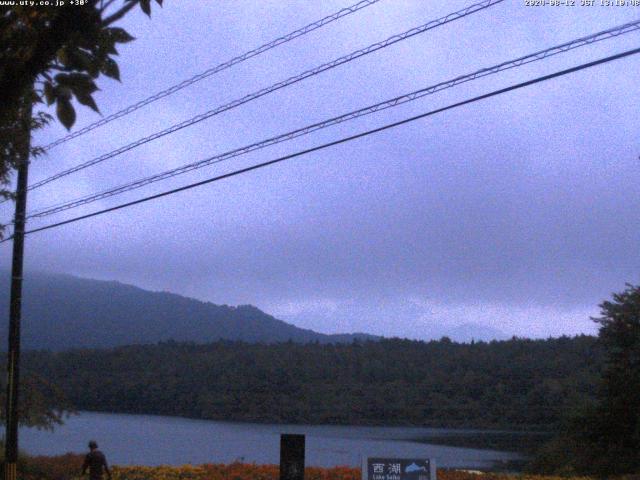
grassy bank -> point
(67, 467)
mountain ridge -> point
(61, 311)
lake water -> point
(157, 440)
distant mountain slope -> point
(62, 312)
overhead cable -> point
(340, 141)
(533, 57)
(277, 86)
(218, 68)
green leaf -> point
(91, 65)
(119, 35)
(40, 120)
(66, 113)
(93, 70)
(37, 152)
(83, 59)
(107, 45)
(78, 82)
(63, 57)
(61, 91)
(146, 6)
(49, 94)
(110, 69)
(61, 78)
(87, 99)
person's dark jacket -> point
(95, 461)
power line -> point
(218, 68)
(540, 55)
(340, 141)
(277, 86)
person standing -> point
(95, 461)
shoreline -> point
(463, 430)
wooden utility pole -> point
(15, 308)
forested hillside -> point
(62, 312)
(524, 384)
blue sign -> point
(378, 468)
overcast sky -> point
(518, 213)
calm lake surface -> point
(157, 440)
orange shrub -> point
(62, 467)
(67, 467)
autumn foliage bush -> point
(67, 467)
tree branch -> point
(106, 5)
(120, 13)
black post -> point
(291, 457)
(13, 360)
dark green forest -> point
(518, 384)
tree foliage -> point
(53, 55)
(42, 403)
(524, 384)
(612, 429)
(603, 437)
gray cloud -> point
(520, 212)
